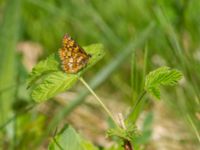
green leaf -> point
(161, 76)
(53, 84)
(68, 139)
(97, 52)
(87, 145)
(46, 66)
(47, 79)
(155, 91)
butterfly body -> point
(73, 57)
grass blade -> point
(8, 40)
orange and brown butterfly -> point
(73, 57)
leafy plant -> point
(175, 43)
(45, 82)
(163, 76)
(47, 79)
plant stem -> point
(138, 101)
(127, 143)
(99, 100)
(60, 147)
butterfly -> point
(73, 57)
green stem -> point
(60, 147)
(138, 101)
(99, 100)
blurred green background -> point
(30, 30)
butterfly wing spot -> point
(71, 43)
(73, 57)
(69, 54)
(79, 59)
(76, 49)
(62, 54)
(71, 60)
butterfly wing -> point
(72, 56)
